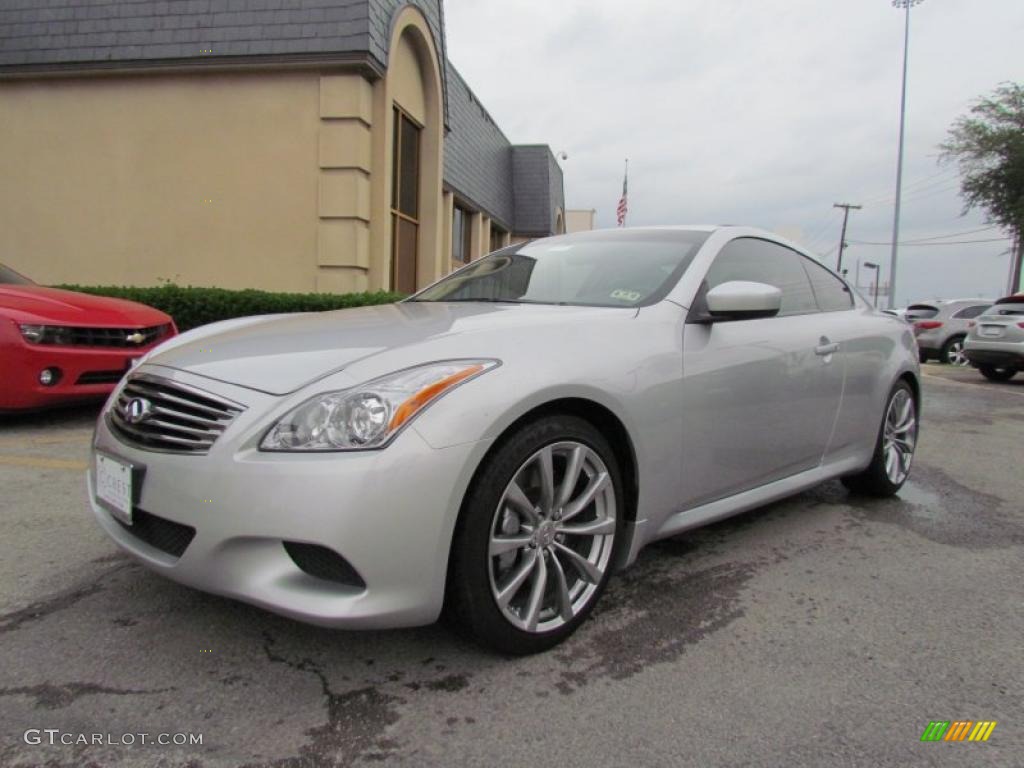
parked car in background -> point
(500, 443)
(995, 342)
(61, 346)
(900, 313)
(941, 327)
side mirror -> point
(742, 300)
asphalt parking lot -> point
(826, 630)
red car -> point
(60, 346)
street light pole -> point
(872, 265)
(905, 4)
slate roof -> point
(538, 189)
(55, 33)
(516, 186)
(477, 155)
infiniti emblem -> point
(137, 410)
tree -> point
(988, 143)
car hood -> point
(39, 304)
(280, 354)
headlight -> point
(33, 333)
(369, 415)
(47, 334)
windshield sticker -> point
(623, 295)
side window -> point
(969, 312)
(761, 261)
(831, 292)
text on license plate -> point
(991, 330)
(114, 486)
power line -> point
(918, 194)
(951, 234)
(915, 186)
(918, 243)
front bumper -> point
(389, 513)
(86, 373)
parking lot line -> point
(41, 463)
(27, 442)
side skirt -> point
(741, 502)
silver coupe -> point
(495, 446)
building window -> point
(405, 183)
(497, 237)
(462, 221)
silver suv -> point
(995, 344)
(941, 327)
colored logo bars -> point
(958, 730)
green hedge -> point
(191, 307)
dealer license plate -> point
(991, 330)
(114, 486)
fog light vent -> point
(323, 563)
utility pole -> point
(842, 237)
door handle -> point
(827, 348)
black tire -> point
(947, 350)
(470, 606)
(997, 374)
(922, 357)
(874, 481)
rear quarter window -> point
(970, 312)
(831, 293)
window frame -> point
(699, 313)
(465, 237)
(399, 118)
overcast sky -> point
(761, 113)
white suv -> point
(941, 327)
(995, 342)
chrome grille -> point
(162, 415)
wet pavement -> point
(822, 630)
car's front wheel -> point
(894, 449)
(992, 373)
(537, 537)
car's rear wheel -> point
(537, 537)
(997, 374)
(894, 449)
(953, 352)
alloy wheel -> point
(900, 436)
(955, 354)
(552, 536)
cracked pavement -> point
(822, 630)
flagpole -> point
(625, 178)
(623, 207)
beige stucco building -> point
(308, 146)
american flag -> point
(623, 207)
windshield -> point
(613, 268)
(10, 277)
